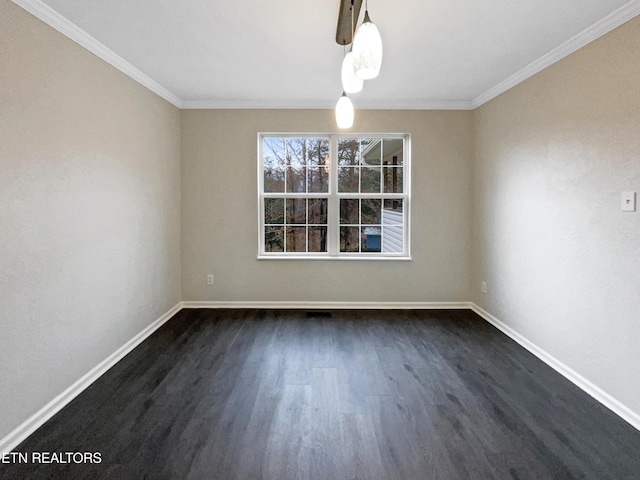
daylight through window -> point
(333, 196)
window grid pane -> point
(274, 239)
(370, 192)
(317, 239)
(349, 239)
(371, 238)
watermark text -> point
(51, 457)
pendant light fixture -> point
(344, 112)
(351, 83)
(367, 49)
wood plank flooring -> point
(258, 394)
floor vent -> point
(319, 315)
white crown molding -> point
(331, 305)
(601, 27)
(417, 105)
(18, 435)
(323, 105)
(254, 105)
(70, 30)
(617, 407)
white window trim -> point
(333, 230)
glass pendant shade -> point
(367, 50)
(344, 112)
(350, 82)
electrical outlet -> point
(484, 287)
(210, 279)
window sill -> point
(400, 258)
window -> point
(333, 196)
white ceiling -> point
(278, 53)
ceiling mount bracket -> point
(344, 33)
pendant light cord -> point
(353, 33)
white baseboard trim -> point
(17, 436)
(333, 305)
(596, 392)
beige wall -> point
(561, 261)
(220, 224)
(89, 212)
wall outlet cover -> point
(628, 201)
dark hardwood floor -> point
(255, 394)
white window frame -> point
(333, 196)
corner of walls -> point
(476, 268)
(89, 212)
(35, 421)
(561, 262)
(184, 237)
(623, 411)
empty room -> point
(319, 240)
